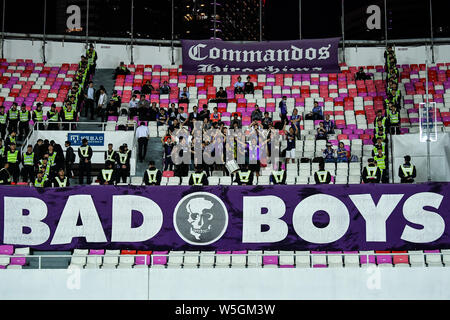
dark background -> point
(236, 19)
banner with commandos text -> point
(319, 217)
(270, 57)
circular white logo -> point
(200, 218)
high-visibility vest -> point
(383, 121)
(380, 162)
(278, 176)
(28, 159)
(2, 151)
(322, 176)
(371, 172)
(407, 171)
(39, 115)
(116, 98)
(84, 150)
(11, 157)
(47, 168)
(53, 116)
(13, 115)
(51, 159)
(24, 116)
(69, 115)
(123, 157)
(152, 175)
(62, 183)
(107, 174)
(244, 176)
(375, 148)
(393, 117)
(377, 133)
(39, 184)
(3, 118)
(109, 156)
(12, 139)
(197, 178)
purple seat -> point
(160, 260)
(142, 260)
(268, 260)
(363, 259)
(384, 259)
(18, 261)
(97, 252)
(7, 249)
(347, 131)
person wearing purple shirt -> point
(283, 110)
(328, 124)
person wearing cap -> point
(5, 175)
(244, 176)
(13, 158)
(61, 180)
(68, 115)
(38, 116)
(84, 168)
(371, 173)
(41, 181)
(53, 118)
(152, 176)
(394, 120)
(322, 176)
(123, 163)
(381, 118)
(380, 159)
(329, 153)
(13, 117)
(278, 175)
(107, 176)
(199, 177)
(29, 162)
(378, 145)
(3, 121)
(407, 171)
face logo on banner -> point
(200, 218)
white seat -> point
(111, 259)
(223, 260)
(318, 259)
(335, 260)
(175, 259)
(286, 258)
(302, 259)
(238, 260)
(191, 259)
(207, 259)
(22, 251)
(351, 260)
(126, 261)
(254, 259)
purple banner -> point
(296, 56)
(322, 217)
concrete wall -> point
(214, 284)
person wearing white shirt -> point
(101, 104)
(142, 135)
(90, 96)
(132, 106)
(239, 86)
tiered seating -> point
(24, 81)
(11, 258)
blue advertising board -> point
(94, 139)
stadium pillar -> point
(385, 24)
(3, 27)
(260, 20)
(428, 124)
(300, 19)
(172, 26)
(43, 35)
(343, 30)
(131, 36)
(431, 33)
(215, 17)
(87, 23)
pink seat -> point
(268, 260)
(160, 260)
(7, 249)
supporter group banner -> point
(334, 218)
(271, 57)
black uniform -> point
(244, 177)
(58, 182)
(407, 173)
(108, 174)
(278, 177)
(322, 177)
(198, 178)
(123, 160)
(85, 153)
(69, 161)
(152, 177)
(371, 174)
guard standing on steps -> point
(123, 164)
(5, 175)
(407, 171)
(3, 120)
(13, 158)
(152, 176)
(244, 176)
(13, 118)
(278, 176)
(84, 168)
(380, 159)
(199, 177)
(11, 139)
(61, 180)
(53, 118)
(24, 122)
(38, 116)
(322, 176)
(110, 155)
(371, 173)
(107, 176)
(29, 162)
(41, 181)
(69, 159)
